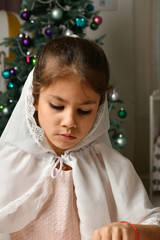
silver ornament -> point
(121, 141)
(6, 111)
(114, 96)
(56, 14)
(68, 32)
(21, 35)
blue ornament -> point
(10, 101)
(12, 84)
(90, 7)
(81, 22)
(32, 21)
(6, 74)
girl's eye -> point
(56, 107)
(82, 112)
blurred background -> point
(132, 46)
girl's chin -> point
(61, 145)
(61, 148)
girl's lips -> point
(66, 136)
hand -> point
(115, 231)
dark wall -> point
(10, 5)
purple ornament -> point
(25, 15)
(26, 41)
(97, 20)
(12, 71)
(48, 32)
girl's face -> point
(66, 112)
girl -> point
(60, 178)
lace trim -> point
(99, 115)
(36, 132)
(152, 221)
(93, 132)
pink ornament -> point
(97, 20)
(28, 60)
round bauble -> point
(32, 21)
(26, 41)
(93, 26)
(25, 15)
(10, 101)
(68, 32)
(21, 35)
(34, 59)
(56, 14)
(90, 7)
(80, 22)
(12, 84)
(6, 112)
(97, 20)
(121, 141)
(6, 74)
(48, 32)
(12, 71)
(122, 113)
(114, 96)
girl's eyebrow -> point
(87, 102)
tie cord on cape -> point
(106, 185)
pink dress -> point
(58, 219)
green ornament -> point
(34, 59)
(1, 107)
(56, 14)
(93, 26)
(122, 113)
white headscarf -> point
(106, 185)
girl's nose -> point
(69, 121)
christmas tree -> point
(116, 131)
(43, 20)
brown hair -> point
(67, 55)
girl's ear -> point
(35, 104)
(36, 107)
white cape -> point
(106, 185)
